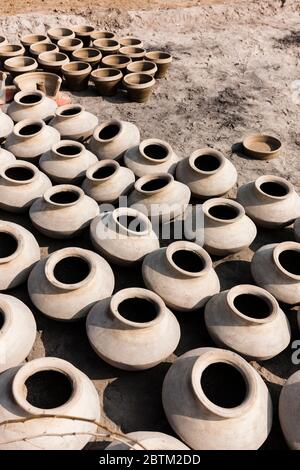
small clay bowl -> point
(30, 39)
(262, 146)
(39, 47)
(139, 86)
(83, 32)
(88, 54)
(69, 45)
(76, 75)
(55, 34)
(102, 35)
(3, 41)
(106, 46)
(135, 53)
(10, 50)
(53, 61)
(19, 65)
(106, 80)
(116, 61)
(142, 66)
(162, 60)
(128, 41)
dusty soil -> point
(233, 69)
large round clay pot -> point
(289, 403)
(248, 320)
(63, 211)
(182, 275)
(151, 156)
(19, 251)
(106, 181)
(296, 229)
(31, 138)
(215, 400)
(73, 122)
(21, 183)
(270, 201)
(47, 386)
(148, 440)
(159, 197)
(6, 126)
(33, 105)
(17, 331)
(6, 157)
(123, 236)
(112, 138)
(132, 330)
(67, 161)
(66, 284)
(207, 173)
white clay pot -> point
(47, 386)
(74, 123)
(289, 403)
(148, 440)
(6, 126)
(215, 400)
(296, 227)
(31, 105)
(182, 275)
(66, 284)
(6, 157)
(133, 330)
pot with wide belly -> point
(289, 404)
(148, 440)
(33, 105)
(6, 126)
(73, 122)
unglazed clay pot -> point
(48, 83)
(31, 138)
(67, 161)
(227, 229)
(3, 41)
(150, 157)
(106, 46)
(6, 126)
(148, 440)
(55, 34)
(123, 236)
(21, 183)
(112, 138)
(30, 39)
(73, 122)
(289, 403)
(296, 227)
(76, 75)
(83, 32)
(18, 331)
(6, 157)
(33, 105)
(40, 47)
(134, 52)
(129, 41)
(139, 86)
(106, 80)
(132, 330)
(67, 283)
(270, 201)
(88, 54)
(215, 400)
(159, 196)
(182, 275)
(116, 61)
(47, 386)
(162, 60)
(68, 46)
(19, 251)
(248, 320)
(142, 66)
(19, 65)
(53, 61)
(102, 35)
(106, 181)
(10, 50)
(63, 211)
(207, 173)
(276, 268)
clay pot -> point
(66, 284)
(19, 251)
(262, 147)
(112, 138)
(53, 61)
(135, 53)
(48, 83)
(132, 330)
(10, 50)
(116, 61)
(148, 440)
(297, 230)
(6, 126)
(289, 403)
(102, 35)
(182, 275)
(40, 47)
(83, 32)
(248, 320)
(159, 197)
(123, 236)
(6, 157)
(77, 75)
(3, 41)
(139, 86)
(142, 66)
(210, 395)
(67, 162)
(33, 105)
(20, 184)
(53, 387)
(18, 331)
(129, 41)
(31, 138)
(106, 181)
(207, 173)
(30, 39)
(227, 229)
(106, 46)
(55, 34)
(106, 80)
(73, 122)
(88, 54)
(270, 201)
(68, 46)
(162, 60)
(150, 157)
(276, 268)
(18, 65)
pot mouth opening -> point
(20, 61)
(31, 98)
(116, 59)
(11, 48)
(188, 260)
(84, 29)
(207, 163)
(29, 130)
(106, 72)
(130, 41)
(132, 50)
(8, 246)
(141, 66)
(76, 67)
(138, 78)
(132, 223)
(86, 53)
(155, 184)
(19, 173)
(69, 150)
(156, 151)
(274, 189)
(65, 197)
(109, 131)
(223, 212)
(71, 270)
(43, 47)
(69, 42)
(70, 111)
(289, 260)
(53, 56)
(33, 38)
(102, 35)
(48, 389)
(253, 306)
(57, 32)
(104, 171)
(138, 310)
(158, 55)
(2, 319)
(106, 42)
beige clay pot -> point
(77, 75)
(48, 83)
(106, 80)
(32, 105)
(116, 61)
(83, 32)
(142, 66)
(6, 126)
(102, 35)
(139, 86)
(68, 46)
(148, 440)
(89, 55)
(53, 61)
(134, 52)
(297, 230)
(162, 60)
(55, 34)
(40, 47)
(289, 403)
(19, 65)
(8, 51)
(30, 39)
(73, 122)
(130, 41)
(106, 46)
(6, 157)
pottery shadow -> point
(193, 331)
(234, 272)
(238, 149)
(267, 236)
(275, 439)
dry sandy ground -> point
(232, 74)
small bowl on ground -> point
(106, 80)
(142, 66)
(19, 65)
(55, 34)
(139, 86)
(39, 47)
(262, 146)
(89, 55)
(10, 50)
(116, 61)
(106, 46)
(162, 60)
(76, 75)
(135, 53)
(83, 32)
(30, 39)
(53, 61)
(69, 45)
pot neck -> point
(101, 166)
(28, 129)
(19, 99)
(69, 111)
(145, 182)
(199, 258)
(265, 190)
(115, 221)
(278, 251)
(155, 151)
(227, 212)
(209, 168)
(11, 181)
(67, 150)
(109, 132)
(49, 196)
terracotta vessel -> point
(47, 386)
(112, 138)
(248, 320)
(6, 157)
(116, 61)
(68, 46)
(102, 35)
(33, 105)
(83, 32)
(18, 65)
(48, 83)
(134, 52)
(139, 86)
(207, 173)
(6, 126)
(182, 275)
(19, 251)
(270, 201)
(73, 122)
(210, 395)
(106, 181)
(106, 46)
(150, 157)
(276, 268)
(18, 331)
(142, 66)
(30, 39)
(77, 75)
(148, 440)
(106, 80)
(162, 60)
(262, 146)
(3, 41)
(289, 403)
(31, 138)
(55, 34)
(8, 51)
(88, 54)
(297, 230)
(160, 197)
(39, 47)
(66, 284)
(67, 162)
(129, 41)
(123, 236)
(132, 330)
(53, 61)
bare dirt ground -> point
(234, 64)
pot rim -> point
(62, 43)
(67, 143)
(25, 40)
(63, 188)
(99, 44)
(153, 69)
(19, 164)
(83, 29)
(13, 232)
(107, 78)
(222, 201)
(42, 58)
(65, 107)
(163, 60)
(150, 81)
(28, 122)
(9, 63)
(127, 60)
(133, 51)
(18, 96)
(122, 211)
(280, 248)
(18, 49)
(92, 58)
(160, 143)
(54, 32)
(146, 178)
(85, 71)
(273, 179)
(100, 164)
(110, 34)
(110, 122)
(180, 245)
(139, 42)
(206, 151)
(36, 53)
